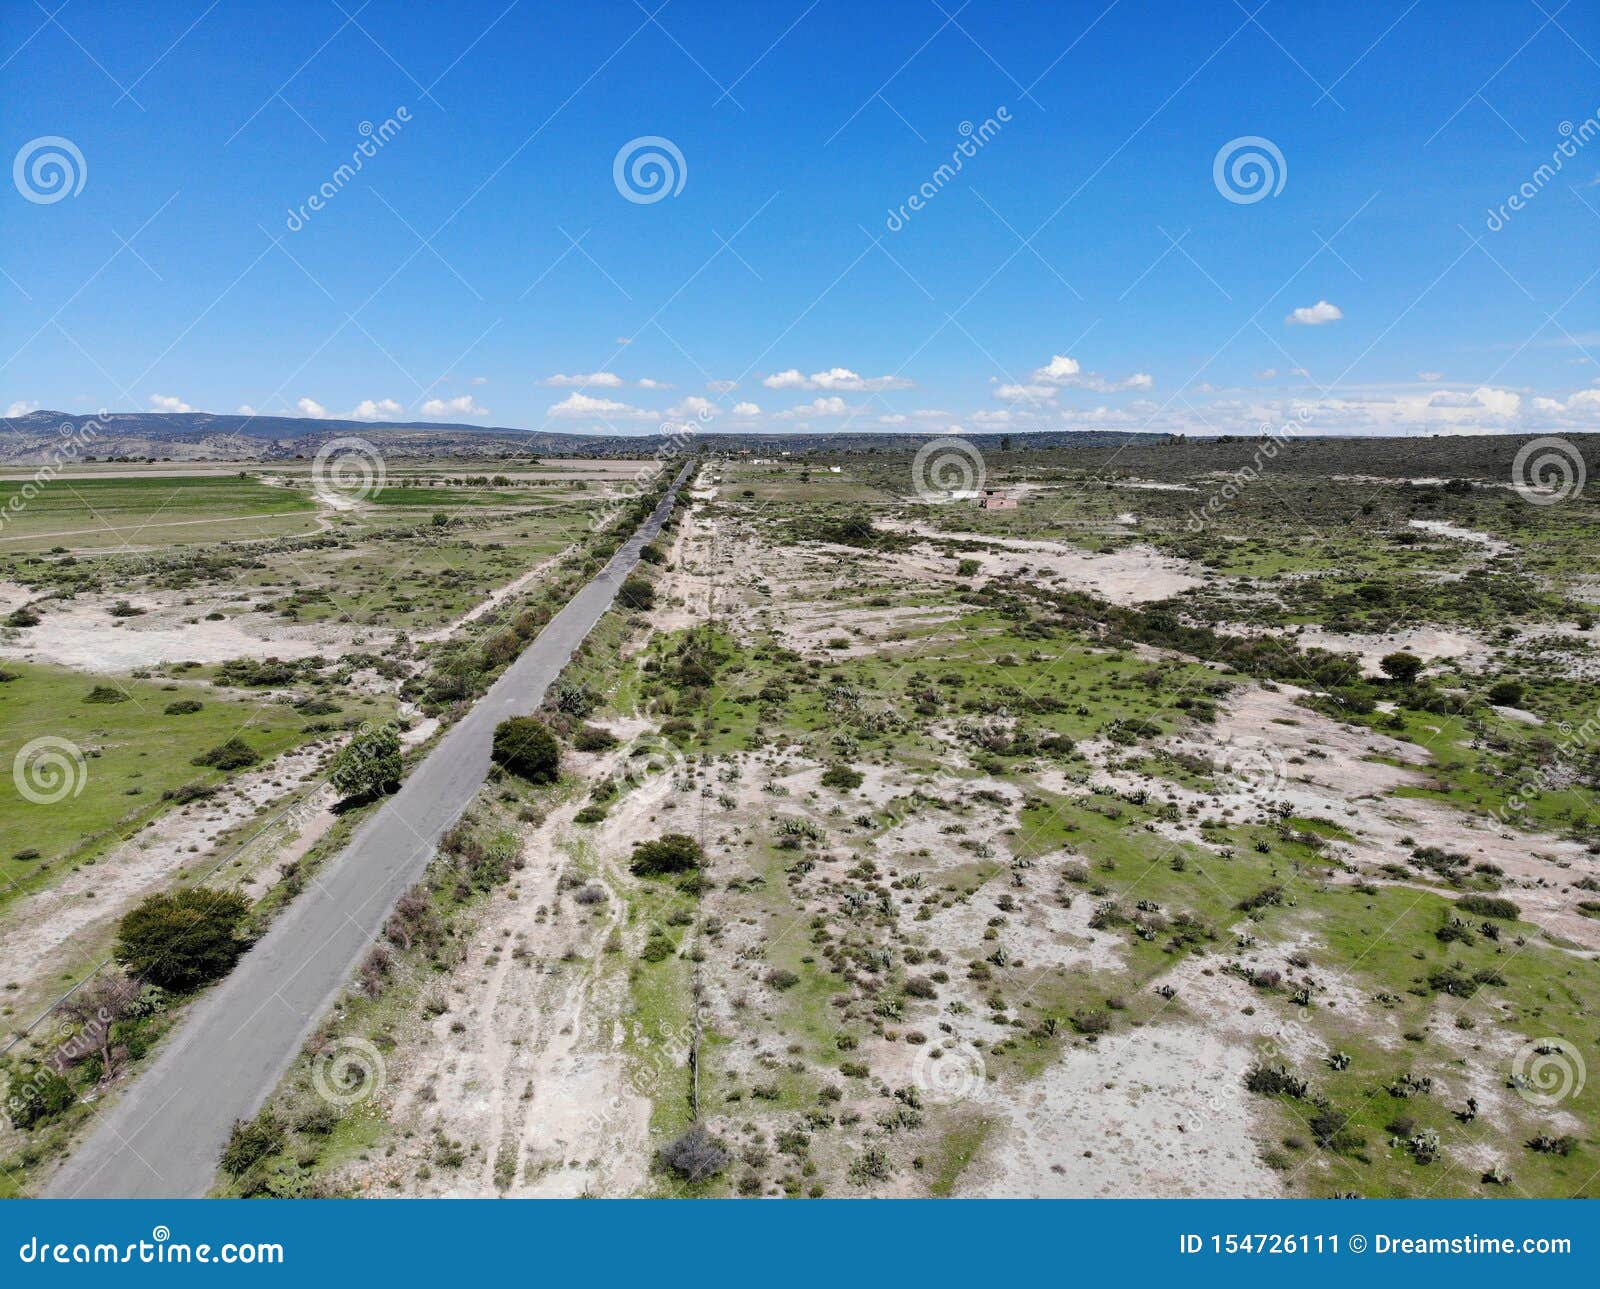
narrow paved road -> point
(164, 1137)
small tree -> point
(673, 853)
(95, 1009)
(368, 764)
(1506, 693)
(1403, 667)
(181, 940)
(525, 747)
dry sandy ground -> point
(80, 633)
(1160, 1111)
(1431, 644)
(1129, 575)
(527, 1066)
(1444, 528)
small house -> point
(995, 499)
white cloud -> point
(722, 386)
(367, 410)
(835, 378)
(168, 403)
(694, 405)
(834, 406)
(1062, 372)
(1314, 315)
(479, 380)
(1026, 393)
(21, 408)
(245, 410)
(746, 409)
(1269, 373)
(596, 380)
(310, 407)
(1430, 376)
(575, 405)
(462, 406)
(644, 382)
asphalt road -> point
(164, 1136)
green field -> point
(94, 514)
(131, 754)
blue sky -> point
(1083, 268)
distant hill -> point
(208, 436)
(35, 439)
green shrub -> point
(637, 593)
(181, 940)
(525, 746)
(184, 707)
(673, 853)
(36, 1096)
(1490, 906)
(658, 947)
(841, 777)
(591, 738)
(106, 694)
(1274, 1080)
(235, 754)
(252, 1141)
(1506, 693)
(368, 764)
